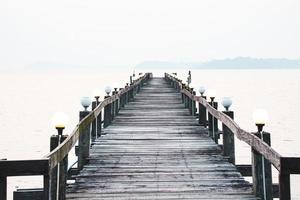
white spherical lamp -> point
(201, 90)
(85, 102)
(226, 102)
(59, 121)
(107, 90)
(260, 118)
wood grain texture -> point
(154, 149)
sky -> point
(127, 32)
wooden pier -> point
(154, 139)
(154, 149)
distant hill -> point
(234, 63)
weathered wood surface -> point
(154, 149)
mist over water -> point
(29, 99)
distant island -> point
(230, 63)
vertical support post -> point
(202, 114)
(183, 95)
(284, 186)
(83, 142)
(99, 124)
(61, 171)
(116, 103)
(213, 130)
(210, 123)
(193, 105)
(228, 140)
(94, 124)
(261, 171)
(121, 99)
(46, 182)
(3, 187)
(126, 94)
(107, 114)
(113, 107)
(131, 96)
(63, 175)
(216, 128)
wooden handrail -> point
(263, 148)
(256, 143)
(47, 164)
(284, 165)
(59, 153)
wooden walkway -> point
(155, 149)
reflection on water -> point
(29, 99)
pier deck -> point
(154, 149)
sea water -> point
(29, 99)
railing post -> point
(107, 114)
(213, 129)
(46, 185)
(127, 94)
(99, 123)
(189, 101)
(116, 103)
(202, 114)
(113, 107)
(193, 105)
(94, 124)
(83, 142)
(3, 187)
(60, 172)
(183, 96)
(284, 186)
(131, 95)
(261, 171)
(228, 140)
(121, 99)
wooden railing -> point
(54, 166)
(263, 155)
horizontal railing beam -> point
(24, 167)
(290, 165)
(64, 148)
(263, 148)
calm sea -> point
(28, 100)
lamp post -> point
(96, 125)
(213, 123)
(107, 108)
(96, 95)
(59, 121)
(228, 136)
(264, 181)
(260, 117)
(202, 109)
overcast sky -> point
(126, 32)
